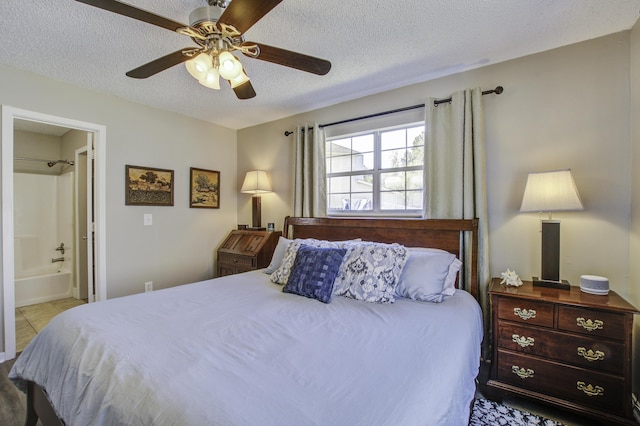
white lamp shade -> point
(199, 66)
(240, 79)
(211, 80)
(550, 191)
(256, 182)
(230, 67)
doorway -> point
(95, 231)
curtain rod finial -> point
(499, 90)
(287, 133)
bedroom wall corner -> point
(634, 234)
(265, 147)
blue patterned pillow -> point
(370, 271)
(314, 271)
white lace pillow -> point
(281, 274)
(370, 271)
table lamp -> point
(550, 192)
(256, 182)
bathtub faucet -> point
(57, 259)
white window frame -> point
(376, 172)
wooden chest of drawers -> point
(563, 347)
(246, 250)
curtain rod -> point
(497, 91)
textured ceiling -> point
(374, 46)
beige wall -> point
(634, 240)
(180, 245)
(565, 108)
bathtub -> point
(44, 284)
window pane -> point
(363, 143)
(362, 162)
(362, 183)
(393, 139)
(361, 201)
(415, 156)
(414, 200)
(392, 181)
(339, 184)
(393, 159)
(341, 145)
(340, 164)
(415, 136)
(414, 180)
(339, 201)
(392, 200)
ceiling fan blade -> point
(245, 91)
(242, 14)
(161, 64)
(291, 59)
(135, 13)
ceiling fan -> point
(218, 30)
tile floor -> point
(31, 319)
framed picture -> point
(146, 186)
(204, 187)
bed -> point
(238, 350)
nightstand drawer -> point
(526, 311)
(591, 322)
(236, 259)
(570, 348)
(571, 383)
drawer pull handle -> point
(590, 355)
(522, 341)
(521, 372)
(590, 389)
(524, 314)
(589, 324)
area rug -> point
(489, 413)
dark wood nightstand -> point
(563, 347)
(246, 250)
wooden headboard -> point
(445, 234)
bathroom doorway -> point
(92, 156)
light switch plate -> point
(148, 219)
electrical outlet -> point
(147, 219)
(148, 286)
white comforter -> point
(238, 351)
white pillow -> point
(278, 255)
(429, 275)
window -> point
(378, 172)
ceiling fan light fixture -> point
(240, 79)
(199, 66)
(230, 67)
(212, 79)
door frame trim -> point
(9, 114)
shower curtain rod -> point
(50, 163)
(497, 91)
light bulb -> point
(199, 66)
(211, 80)
(230, 67)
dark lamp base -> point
(562, 284)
